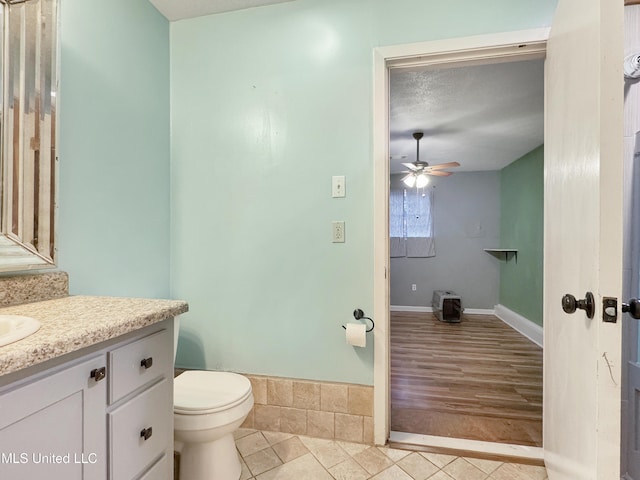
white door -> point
(583, 239)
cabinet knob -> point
(146, 362)
(146, 433)
(99, 373)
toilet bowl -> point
(207, 408)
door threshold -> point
(469, 448)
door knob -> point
(633, 308)
(570, 304)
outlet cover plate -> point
(337, 232)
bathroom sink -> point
(16, 327)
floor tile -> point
(251, 444)
(328, 452)
(290, 449)
(460, 469)
(278, 456)
(392, 473)
(349, 470)
(352, 448)
(245, 473)
(262, 461)
(417, 466)
(276, 437)
(243, 432)
(373, 460)
(487, 466)
(394, 454)
(440, 476)
(438, 459)
(513, 471)
(306, 467)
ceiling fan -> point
(419, 170)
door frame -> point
(506, 46)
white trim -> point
(381, 261)
(412, 308)
(477, 49)
(479, 311)
(503, 449)
(505, 46)
(526, 327)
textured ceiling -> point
(483, 117)
(180, 9)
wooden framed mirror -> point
(28, 114)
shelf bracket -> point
(503, 253)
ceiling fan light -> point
(422, 181)
(409, 180)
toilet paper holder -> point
(359, 314)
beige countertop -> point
(75, 322)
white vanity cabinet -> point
(140, 412)
(70, 422)
(51, 425)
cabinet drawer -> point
(128, 371)
(130, 452)
(159, 471)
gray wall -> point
(467, 220)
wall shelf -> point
(503, 253)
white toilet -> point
(207, 408)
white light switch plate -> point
(338, 186)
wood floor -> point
(478, 379)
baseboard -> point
(410, 308)
(526, 327)
(479, 311)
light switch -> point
(338, 186)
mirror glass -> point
(28, 124)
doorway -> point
(517, 46)
(474, 376)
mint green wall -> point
(521, 227)
(113, 226)
(267, 104)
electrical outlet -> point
(337, 232)
(414, 287)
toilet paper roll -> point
(357, 334)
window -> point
(411, 223)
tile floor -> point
(282, 456)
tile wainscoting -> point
(336, 411)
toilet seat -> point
(200, 392)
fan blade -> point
(443, 165)
(438, 173)
(411, 166)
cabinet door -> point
(55, 427)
